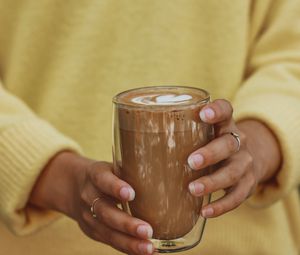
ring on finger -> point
(93, 207)
(237, 138)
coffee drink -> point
(158, 129)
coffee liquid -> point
(155, 143)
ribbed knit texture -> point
(24, 151)
(61, 62)
(274, 116)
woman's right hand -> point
(70, 183)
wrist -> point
(264, 147)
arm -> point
(42, 173)
(26, 145)
(267, 116)
(271, 94)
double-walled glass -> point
(152, 142)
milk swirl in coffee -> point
(158, 129)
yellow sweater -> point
(61, 62)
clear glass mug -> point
(151, 143)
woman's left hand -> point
(239, 169)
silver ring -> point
(237, 138)
(93, 207)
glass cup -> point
(155, 130)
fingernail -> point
(195, 161)
(207, 114)
(144, 231)
(127, 193)
(207, 212)
(145, 248)
(196, 188)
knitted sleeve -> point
(271, 93)
(27, 143)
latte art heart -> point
(169, 99)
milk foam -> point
(157, 99)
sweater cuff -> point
(275, 112)
(25, 149)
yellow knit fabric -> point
(61, 62)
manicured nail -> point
(207, 114)
(145, 248)
(144, 231)
(195, 161)
(207, 212)
(127, 193)
(196, 188)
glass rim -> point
(204, 100)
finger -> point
(217, 150)
(226, 176)
(231, 200)
(105, 181)
(129, 244)
(218, 111)
(117, 219)
(120, 241)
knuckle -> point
(251, 192)
(127, 226)
(238, 199)
(249, 159)
(220, 102)
(224, 106)
(233, 176)
(252, 181)
(103, 215)
(218, 107)
(98, 173)
(252, 189)
(230, 109)
(242, 137)
(207, 155)
(84, 197)
(86, 216)
(95, 177)
(219, 209)
(208, 182)
(231, 143)
(115, 187)
(232, 204)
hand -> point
(238, 172)
(70, 183)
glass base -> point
(184, 243)
(170, 246)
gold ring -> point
(93, 207)
(237, 138)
